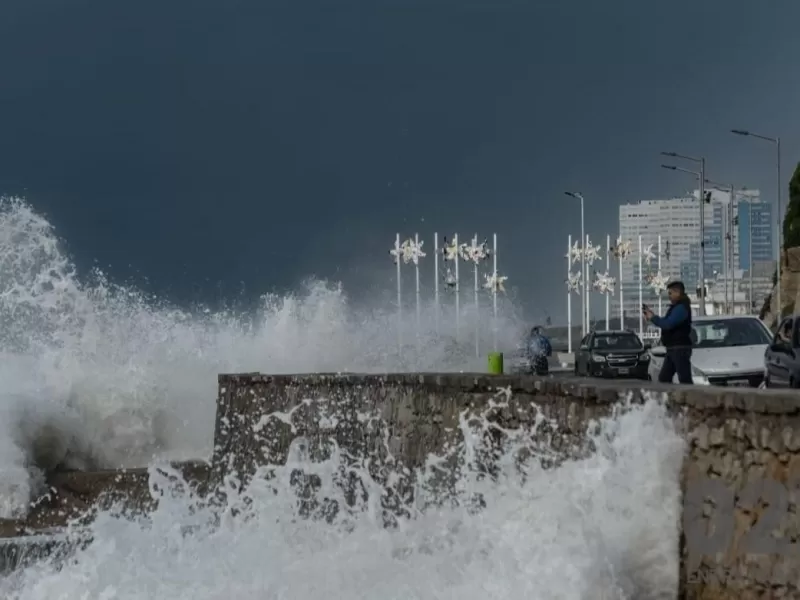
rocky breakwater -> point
(738, 535)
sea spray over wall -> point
(603, 525)
(97, 375)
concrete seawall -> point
(740, 479)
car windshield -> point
(617, 342)
(724, 333)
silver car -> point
(726, 350)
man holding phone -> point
(676, 334)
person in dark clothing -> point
(538, 349)
(676, 334)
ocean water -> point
(96, 375)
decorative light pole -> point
(584, 271)
(622, 251)
(495, 283)
(574, 282)
(604, 283)
(412, 252)
(591, 255)
(475, 253)
(397, 254)
(451, 279)
(641, 300)
(655, 281)
(436, 306)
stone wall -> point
(737, 440)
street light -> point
(778, 192)
(731, 189)
(701, 187)
(584, 274)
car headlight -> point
(598, 359)
(698, 377)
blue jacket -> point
(675, 317)
(539, 345)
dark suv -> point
(612, 354)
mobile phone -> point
(644, 307)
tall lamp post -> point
(779, 217)
(584, 274)
(731, 189)
(728, 248)
(701, 177)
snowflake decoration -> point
(495, 282)
(450, 251)
(622, 250)
(657, 282)
(648, 255)
(396, 253)
(475, 252)
(604, 283)
(592, 253)
(412, 252)
(574, 282)
(450, 279)
(575, 253)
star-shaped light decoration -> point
(474, 252)
(592, 253)
(450, 250)
(604, 283)
(622, 250)
(574, 282)
(575, 253)
(396, 253)
(412, 251)
(495, 282)
(648, 255)
(657, 282)
(449, 278)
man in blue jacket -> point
(676, 334)
(538, 349)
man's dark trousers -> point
(678, 360)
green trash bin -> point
(495, 363)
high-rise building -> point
(677, 221)
(760, 214)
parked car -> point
(612, 354)
(782, 357)
(727, 350)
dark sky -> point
(204, 144)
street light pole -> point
(731, 189)
(701, 176)
(779, 216)
(751, 308)
(584, 275)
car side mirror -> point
(658, 351)
(779, 347)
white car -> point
(726, 350)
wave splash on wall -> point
(602, 525)
(101, 376)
